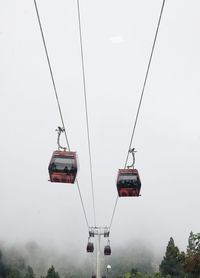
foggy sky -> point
(117, 39)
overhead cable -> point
(51, 73)
(144, 83)
(58, 102)
(141, 98)
(112, 217)
(83, 207)
(86, 108)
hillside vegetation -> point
(175, 264)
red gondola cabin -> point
(63, 167)
(128, 183)
(90, 247)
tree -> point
(14, 273)
(52, 273)
(29, 273)
(192, 260)
(134, 271)
(191, 244)
(3, 267)
(173, 261)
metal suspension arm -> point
(132, 151)
(59, 131)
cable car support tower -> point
(99, 232)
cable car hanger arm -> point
(132, 151)
(59, 131)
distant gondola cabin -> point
(63, 167)
(107, 250)
(128, 183)
(90, 247)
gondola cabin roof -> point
(63, 167)
(128, 171)
(128, 183)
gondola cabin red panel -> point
(63, 167)
(107, 250)
(90, 247)
(128, 183)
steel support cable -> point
(145, 81)
(51, 72)
(83, 207)
(57, 99)
(86, 107)
(141, 98)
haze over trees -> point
(175, 264)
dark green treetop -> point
(52, 273)
(173, 261)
